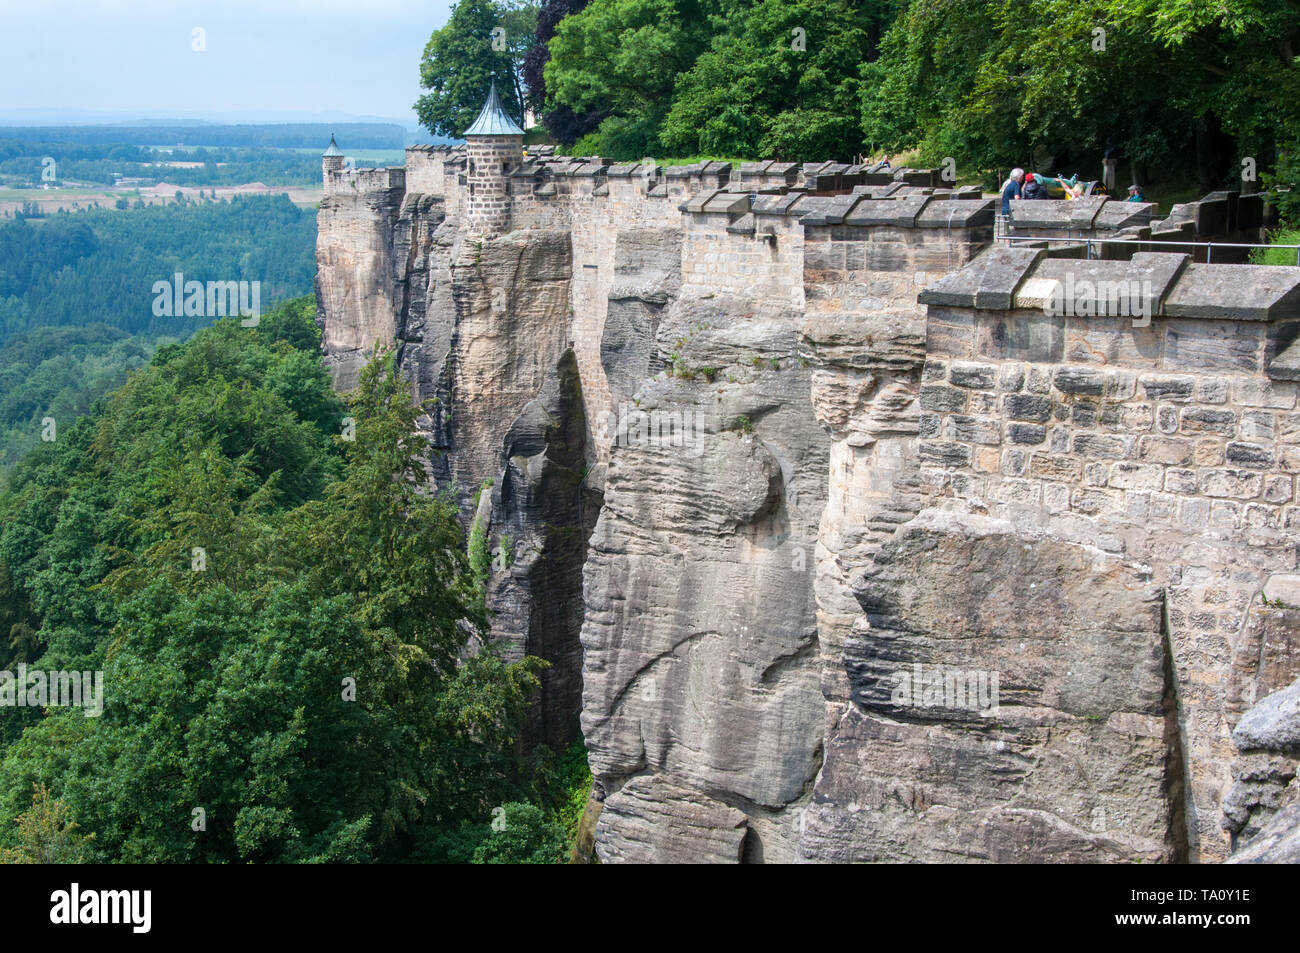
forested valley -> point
(76, 294)
(282, 614)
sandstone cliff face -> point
(357, 276)
(509, 419)
(1073, 519)
(834, 572)
(542, 514)
(504, 312)
(481, 328)
(713, 570)
(700, 641)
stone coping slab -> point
(1185, 289)
(901, 211)
(957, 211)
(1238, 292)
(988, 281)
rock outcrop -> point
(1262, 809)
(975, 731)
(700, 640)
(358, 270)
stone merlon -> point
(996, 279)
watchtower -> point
(331, 160)
(494, 145)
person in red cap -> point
(1033, 188)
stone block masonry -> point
(1170, 445)
(489, 161)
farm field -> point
(51, 201)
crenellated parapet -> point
(365, 182)
(1118, 229)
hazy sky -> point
(262, 57)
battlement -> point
(1225, 217)
(839, 242)
(534, 187)
(1009, 279)
(540, 187)
(1165, 409)
(365, 181)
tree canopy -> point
(1180, 90)
(282, 614)
(461, 60)
(100, 265)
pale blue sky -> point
(67, 59)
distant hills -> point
(25, 116)
(355, 135)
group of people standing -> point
(1027, 185)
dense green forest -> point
(1183, 91)
(99, 266)
(76, 295)
(23, 162)
(57, 374)
(281, 616)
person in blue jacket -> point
(1011, 190)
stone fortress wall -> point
(907, 460)
(596, 202)
(1169, 442)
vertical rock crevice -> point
(1181, 834)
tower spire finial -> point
(493, 119)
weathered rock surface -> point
(874, 578)
(508, 328)
(650, 820)
(357, 275)
(1273, 724)
(1277, 843)
(541, 515)
(977, 732)
(701, 661)
(1262, 809)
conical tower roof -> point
(333, 149)
(493, 121)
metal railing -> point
(1002, 234)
